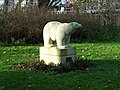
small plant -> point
(17, 42)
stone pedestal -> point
(56, 55)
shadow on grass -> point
(103, 75)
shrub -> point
(29, 22)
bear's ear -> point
(75, 25)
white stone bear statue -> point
(59, 32)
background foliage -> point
(26, 25)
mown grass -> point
(104, 75)
(98, 51)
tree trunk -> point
(5, 6)
(36, 2)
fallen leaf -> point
(29, 77)
(2, 87)
(29, 86)
(109, 81)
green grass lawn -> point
(104, 75)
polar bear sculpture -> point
(59, 32)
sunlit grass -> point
(98, 51)
(10, 55)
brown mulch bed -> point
(83, 65)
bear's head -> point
(73, 26)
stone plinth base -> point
(56, 55)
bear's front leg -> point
(47, 41)
(59, 43)
(67, 40)
(60, 39)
